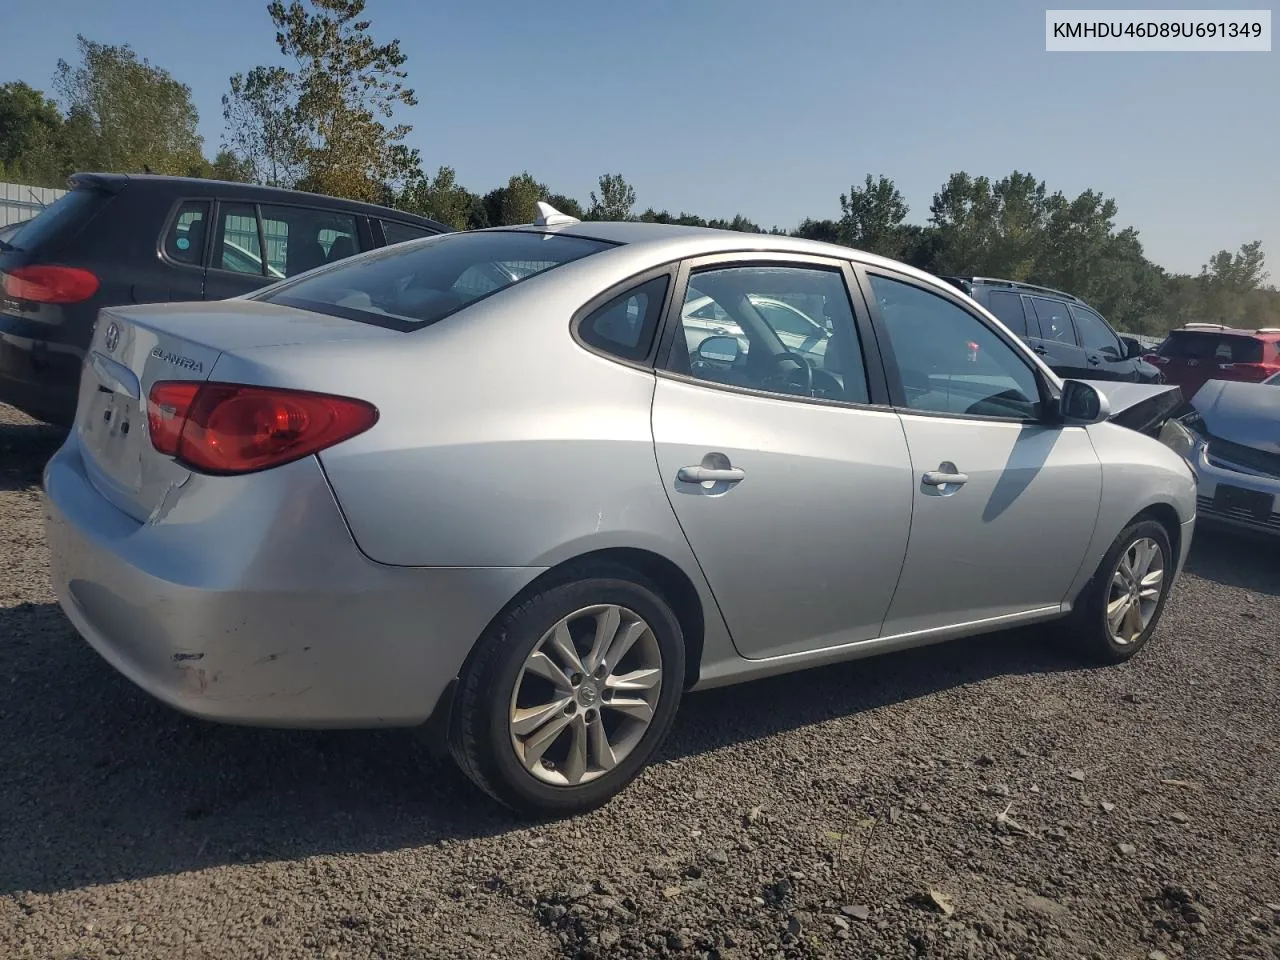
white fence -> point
(20, 202)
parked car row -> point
(125, 239)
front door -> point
(1105, 353)
(793, 490)
(1004, 504)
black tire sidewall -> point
(1096, 613)
(500, 767)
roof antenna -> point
(549, 216)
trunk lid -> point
(133, 347)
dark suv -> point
(1070, 335)
(120, 238)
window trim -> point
(170, 219)
(377, 229)
(877, 387)
(670, 270)
(1049, 393)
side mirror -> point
(718, 350)
(1082, 404)
(1132, 348)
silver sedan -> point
(480, 481)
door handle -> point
(701, 474)
(1094, 361)
(1040, 350)
(940, 478)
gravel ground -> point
(987, 798)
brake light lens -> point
(231, 428)
(43, 283)
(1253, 372)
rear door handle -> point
(940, 478)
(701, 474)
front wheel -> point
(1117, 612)
(569, 694)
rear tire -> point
(1120, 607)
(570, 693)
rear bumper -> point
(248, 602)
(40, 378)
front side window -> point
(951, 362)
(300, 239)
(739, 327)
(1095, 335)
(184, 242)
(405, 286)
(396, 232)
(1055, 322)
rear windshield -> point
(413, 284)
(68, 211)
(1218, 347)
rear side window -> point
(69, 212)
(409, 286)
(185, 240)
(1215, 347)
(400, 232)
(1008, 307)
(625, 325)
(239, 248)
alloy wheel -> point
(586, 695)
(1135, 590)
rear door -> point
(1104, 352)
(183, 244)
(791, 486)
(1057, 343)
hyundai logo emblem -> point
(113, 336)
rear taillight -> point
(226, 428)
(1254, 372)
(44, 283)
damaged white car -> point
(1231, 437)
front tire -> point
(1119, 609)
(570, 693)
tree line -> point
(327, 124)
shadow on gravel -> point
(1236, 560)
(24, 450)
(100, 783)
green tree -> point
(31, 137)
(567, 205)
(263, 129)
(615, 201)
(828, 231)
(871, 217)
(125, 114)
(439, 198)
(347, 89)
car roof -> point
(684, 241)
(199, 187)
(1261, 333)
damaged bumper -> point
(255, 607)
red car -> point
(1198, 352)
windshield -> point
(418, 282)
